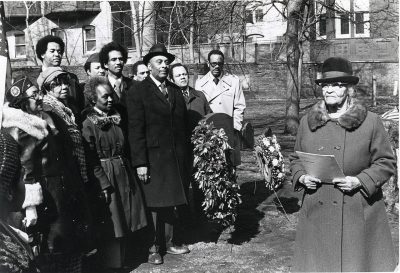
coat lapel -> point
(156, 90)
(171, 94)
(211, 91)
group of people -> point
(99, 161)
(103, 159)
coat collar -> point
(30, 124)
(212, 91)
(350, 120)
(103, 120)
(156, 90)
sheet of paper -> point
(324, 167)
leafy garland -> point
(214, 175)
(270, 160)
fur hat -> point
(158, 50)
(9, 165)
(17, 92)
(336, 69)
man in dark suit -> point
(158, 139)
(197, 106)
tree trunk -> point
(293, 55)
(28, 32)
(170, 26)
(148, 21)
(136, 29)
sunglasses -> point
(334, 84)
(214, 64)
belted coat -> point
(158, 140)
(344, 231)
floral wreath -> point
(270, 160)
(213, 175)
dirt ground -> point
(262, 238)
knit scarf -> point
(51, 104)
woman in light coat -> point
(343, 225)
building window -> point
(59, 33)
(20, 50)
(249, 16)
(89, 39)
(344, 24)
(352, 19)
(259, 15)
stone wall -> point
(268, 81)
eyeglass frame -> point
(214, 64)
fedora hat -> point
(158, 50)
(336, 69)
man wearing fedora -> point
(158, 138)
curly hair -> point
(91, 86)
(215, 52)
(103, 55)
(41, 45)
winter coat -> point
(344, 231)
(158, 139)
(111, 170)
(197, 106)
(63, 215)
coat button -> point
(220, 103)
(320, 202)
(334, 202)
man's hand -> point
(347, 184)
(309, 181)
(142, 174)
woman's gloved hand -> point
(310, 182)
(30, 216)
(347, 184)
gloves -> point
(30, 216)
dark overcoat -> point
(158, 140)
(197, 106)
(340, 231)
(109, 165)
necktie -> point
(164, 90)
(216, 80)
(117, 88)
(185, 93)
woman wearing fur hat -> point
(342, 223)
(55, 202)
(107, 157)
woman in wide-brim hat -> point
(342, 223)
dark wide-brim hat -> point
(336, 69)
(158, 50)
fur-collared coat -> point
(50, 168)
(339, 231)
(110, 168)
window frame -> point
(15, 34)
(85, 39)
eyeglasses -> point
(36, 95)
(214, 64)
(334, 84)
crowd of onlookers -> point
(103, 159)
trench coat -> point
(112, 171)
(226, 97)
(197, 106)
(158, 139)
(344, 231)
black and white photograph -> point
(235, 136)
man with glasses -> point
(224, 94)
